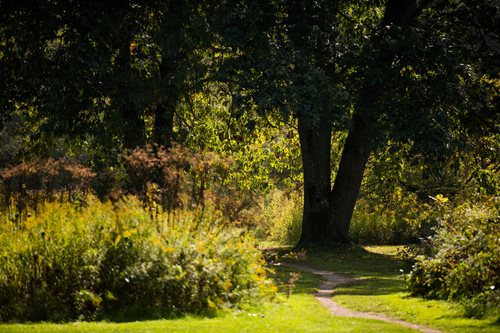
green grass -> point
(300, 313)
(381, 289)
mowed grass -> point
(381, 289)
(300, 313)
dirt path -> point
(324, 296)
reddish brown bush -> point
(29, 183)
(177, 177)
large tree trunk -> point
(133, 128)
(327, 214)
(358, 144)
(164, 112)
(164, 123)
(315, 148)
(349, 176)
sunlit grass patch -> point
(300, 313)
(380, 288)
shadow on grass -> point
(378, 274)
(357, 262)
(372, 286)
(306, 284)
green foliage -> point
(70, 262)
(404, 192)
(300, 313)
(463, 260)
(397, 218)
(264, 150)
(376, 224)
(281, 218)
(106, 77)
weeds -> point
(104, 259)
(294, 277)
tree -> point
(403, 70)
(111, 74)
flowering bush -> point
(69, 262)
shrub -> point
(69, 262)
(173, 178)
(30, 183)
(401, 219)
(463, 263)
(167, 168)
(281, 216)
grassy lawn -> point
(300, 313)
(381, 289)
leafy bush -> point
(463, 262)
(404, 220)
(69, 262)
(281, 216)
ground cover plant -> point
(71, 261)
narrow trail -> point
(324, 296)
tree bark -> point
(349, 177)
(315, 145)
(358, 144)
(327, 214)
(164, 123)
(165, 110)
(133, 127)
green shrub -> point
(463, 263)
(69, 262)
(402, 221)
(281, 218)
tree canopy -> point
(417, 75)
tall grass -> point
(73, 262)
(403, 220)
(280, 218)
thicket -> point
(28, 184)
(71, 261)
(407, 189)
(236, 171)
(168, 234)
(400, 221)
(281, 218)
(460, 262)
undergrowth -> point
(105, 260)
(461, 261)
